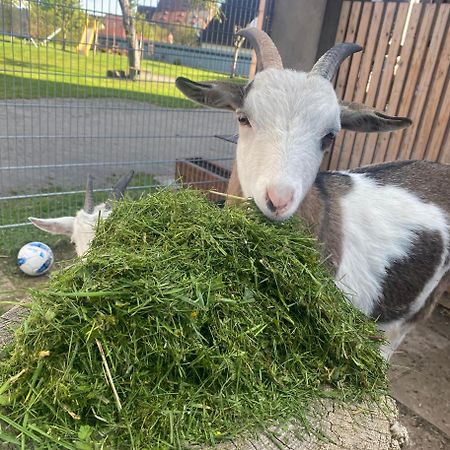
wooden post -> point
(259, 25)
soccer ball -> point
(35, 258)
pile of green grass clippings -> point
(184, 324)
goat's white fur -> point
(378, 224)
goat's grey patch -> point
(424, 178)
(380, 171)
(430, 302)
(327, 189)
(406, 278)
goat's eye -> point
(327, 140)
(243, 120)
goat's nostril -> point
(279, 198)
(270, 205)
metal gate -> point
(68, 106)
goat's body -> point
(385, 230)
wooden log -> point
(332, 427)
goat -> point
(384, 228)
(81, 227)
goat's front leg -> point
(394, 333)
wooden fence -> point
(403, 70)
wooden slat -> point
(344, 17)
(437, 68)
(408, 80)
(386, 143)
(388, 78)
(444, 156)
(439, 148)
(377, 70)
(416, 66)
(367, 63)
(425, 83)
(350, 36)
(341, 80)
(355, 68)
(340, 36)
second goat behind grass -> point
(385, 228)
(81, 227)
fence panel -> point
(403, 71)
(71, 105)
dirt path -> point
(420, 380)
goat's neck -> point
(311, 210)
(323, 222)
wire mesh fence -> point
(73, 100)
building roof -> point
(113, 26)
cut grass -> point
(49, 72)
(184, 324)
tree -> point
(134, 51)
(64, 14)
(14, 17)
(129, 16)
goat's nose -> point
(279, 198)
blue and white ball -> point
(35, 258)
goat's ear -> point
(215, 94)
(60, 225)
(358, 117)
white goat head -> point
(81, 227)
(286, 120)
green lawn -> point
(48, 72)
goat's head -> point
(81, 227)
(286, 120)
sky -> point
(111, 6)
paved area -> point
(55, 142)
(420, 381)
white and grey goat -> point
(384, 227)
(81, 227)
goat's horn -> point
(266, 53)
(120, 187)
(89, 196)
(329, 63)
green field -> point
(49, 72)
